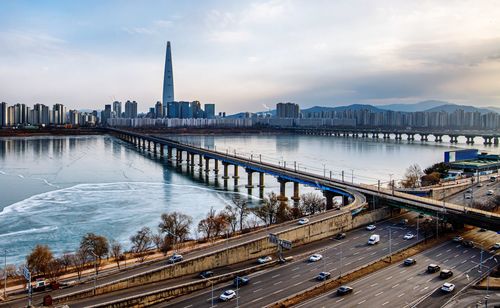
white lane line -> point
(357, 292)
(338, 301)
(257, 282)
(448, 250)
(439, 255)
(446, 260)
(401, 272)
(275, 276)
(409, 278)
(429, 280)
(188, 306)
(374, 284)
(361, 258)
(348, 263)
(458, 246)
(397, 284)
(455, 256)
(385, 248)
(257, 299)
(402, 294)
(361, 302)
(255, 291)
(294, 269)
(424, 289)
(355, 238)
(463, 261)
(276, 292)
(379, 293)
(298, 283)
(296, 276)
(473, 257)
(373, 253)
(388, 278)
(277, 283)
(356, 253)
(385, 303)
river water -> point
(53, 190)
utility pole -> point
(95, 274)
(5, 276)
(390, 244)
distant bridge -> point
(356, 194)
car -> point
(446, 273)
(469, 190)
(482, 230)
(408, 236)
(480, 185)
(433, 268)
(340, 236)
(303, 221)
(343, 290)
(468, 196)
(490, 192)
(227, 295)
(241, 281)
(40, 284)
(458, 239)
(409, 262)
(448, 287)
(495, 247)
(374, 239)
(323, 276)
(468, 244)
(206, 274)
(315, 257)
(403, 221)
(371, 227)
(263, 260)
(421, 216)
(175, 258)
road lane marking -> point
(379, 293)
(338, 301)
(429, 280)
(298, 283)
(296, 268)
(402, 294)
(455, 256)
(439, 255)
(446, 260)
(390, 277)
(361, 302)
(296, 276)
(374, 284)
(361, 258)
(373, 253)
(276, 292)
(464, 261)
(357, 292)
(397, 284)
(255, 291)
(448, 250)
(356, 253)
(385, 248)
(424, 289)
(275, 276)
(257, 282)
(385, 303)
(188, 306)
(277, 283)
(401, 272)
(257, 299)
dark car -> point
(433, 268)
(446, 273)
(206, 274)
(323, 276)
(343, 290)
(468, 244)
(175, 258)
(340, 236)
(409, 262)
(241, 281)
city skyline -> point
(248, 55)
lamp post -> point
(95, 275)
(212, 291)
(5, 276)
(390, 244)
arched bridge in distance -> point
(357, 194)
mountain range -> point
(430, 106)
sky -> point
(250, 55)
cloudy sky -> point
(245, 55)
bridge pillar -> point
(487, 140)
(424, 137)
(329, 199)
(192, 160)
(235, 172)
(470, 139)
(200, 161)
(216, 166)
(296, 195)
(495, 140)
(154, 147)
(149, 145)
(261, 180)
(249, 178)
(225, 167)
(375, 135)
(161, 150)
(282, 195)
(438, 138)
(411, 137)
(207, 165)
(143, 143)
(169, 153)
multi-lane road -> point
(478, 193)
(279, 282)
(406, 286)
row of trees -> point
(173, 229)
(416, 177)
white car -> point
(315, 257)
(227, 295)
(490, 192)
(408, 236)
(371, 227)
(448, 287)
(263, 260)
(303, 221)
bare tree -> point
(268, 211)
(55, 269)
(311, 203)
(157, 240)
(66, 260)
(96, 246)
(116, 252)
(232, 216)
(412, 176)
(243, 209)
(39, 259)
(176, 225)
(79, 259)
(142, 240)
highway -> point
(479, 194)
(152, 266)
(279, 282)
(405, 286)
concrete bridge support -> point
(154, 148)
(410, 137)
(470, 139)
(282, 195)
(225, 167)
(207, 165)
(438, 138)
(161, 150)
(216, 167)
(375, 135)
(495, 140)
(453, 139)
(143, 143)
(261, 180)
(169, 153)
(191, 163)
(249, 178)
(424, 137)
(329, 199)
(296, 192)
(178, 155)
(149, 145)
(200, 161)
(487, 140)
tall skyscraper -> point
(158, 110)
(210, 111)
(168, 78)
(117, 108)
(3, 114)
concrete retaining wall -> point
(439, 192)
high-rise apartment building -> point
(3, 114)
(130, 109)
(287, 110)
(209, 111)
(158, 110)
(117, 109)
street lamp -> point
(95, 268)
(5, 276)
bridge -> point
(397, 134)
(355, 194)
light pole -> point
(95, 275)
(324, 170)
(237, 291)
(352, 176)
(5, 276)
(390, 244)
(212, 291)
(417, 225)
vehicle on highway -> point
(265, 259)
(340, 236)
(403, 221)
(206, 274)
(448, 287)
(374, 239)
(468, 196)
(315, 257)
(343, 290)
(421, 216)
(40, 284)
(371, 227)
(493, 179)
(227, 295)
(433, 268)
(458, 239)
(469, 244)
(490, 192)
(446, 273)
(303, 221)
(175, 258)
(409, 262)
(323, 276)
(241, 281)
(409, 236)
(495, 247)
(482, 230)
(469, 190)
(480, 185)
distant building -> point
(209, 111)
(117, 109)
(288, 110)
(58, 114)
(106, 114)
(158, 110)
(168, 78)
(196, 111)
(3, 114)
(130, 109)
(186, 111)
